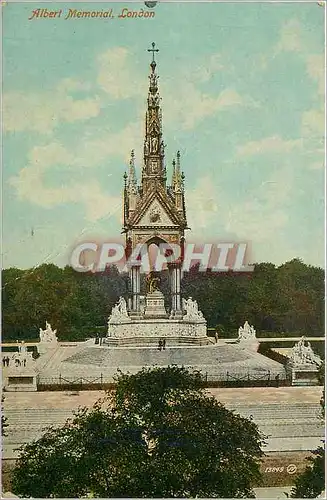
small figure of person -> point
(160, 345)
(16, 362)
(164, 344)
(7, 360)
(4, 361)
(24, 362)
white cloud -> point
(73, 85)
(187, 105)
(88, 153)
(263, 214)
(118, 75)
(317, 165)
(30, 185)
(205, 71)
(257, 219)
(98, 203)
(201, 204)
(290, 37)
(94, 151)
(273, 144)
(42, 112)
(262, 61)
(43, 157)
(316, 70)
(313, 123)
(184, 102)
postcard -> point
(163, 245)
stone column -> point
(178, 290)
(172, 288)
(175, 283)
(135, 277)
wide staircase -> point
(153, 356)
(216, 362)
(28, 424)
(153, 341)
(277, 421)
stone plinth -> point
(148, 327)
(155, 305)
(20, 380)
(303, 365)
(148, 332)
(302, 374)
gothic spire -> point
(132, 183)
(125, 205)
(178, 174)
(173, 178)
(154, 169)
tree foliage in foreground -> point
(311, 482)
(157, 435)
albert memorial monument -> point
(145, 330)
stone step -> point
(216, 362)
(150, 356)
(153, 341)
(273, 420)
(262, 412)
(297, 429)
(276, 412)
(35, 416)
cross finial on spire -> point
(153, 62)
(153, 50)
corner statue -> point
(119, 312)
(247, 336)
(152, 283)
(246, 332)
(302, 353)
(48, 335)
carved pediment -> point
(156, 215)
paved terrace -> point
(289, 416)
(89, 361)
(260, 339)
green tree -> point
(4, 422)
(301, 293)
(311, 482)
(10, 284)
(157, 435)
(73, 302)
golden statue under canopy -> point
(152, 283)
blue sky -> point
(242, 89)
